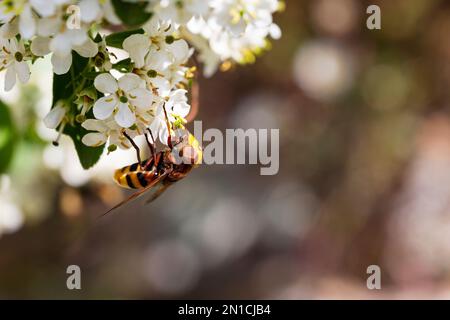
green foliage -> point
(131, 14)
(116, 39)
(7, 137)
(88, 156)
(124, 65)
(64, 88)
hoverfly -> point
(162, 169)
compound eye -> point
(189, 155)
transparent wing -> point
(137, 194)
(159, 191)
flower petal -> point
(88, 49)
(89, 10)
(40, 46)
(164, 135)
(10, 78)
(275, 31)
(94, 139)
(181, 108)
(137, 45)
(54, 117)
(157, 60)
(162, 85)
(157, 126)
(61, 64)
(180, 51)
(23, 71)
(104, 107)
(125, 117)
(13, 45)
(177, 103)
(94, 125)
(196, 24)
(27, 24)
(77, 36)
(106, 83)
(237, 29)
(10, 29)
(45, 8)
(130, 81)
(47, 27)
(141, 98)
(61, 44)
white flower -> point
(63, 44)
(55, 116)
(164, 69)
(9, 29)
(108, 130)
(177, 104)
(104, 131)
(160, 31)
(153, 71)
(25, 13)
(180, 53)
(137, 46)
(159, 36)
(234, 30)
(13, 57)
(46, 8)
(175, 11)
(206, 55)
(162, 66)
(124, 97)
(176, 107)
(27, 22)
(235, 15)
(55, 37)
(95, 10)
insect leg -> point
(169, 138)
(138, 152)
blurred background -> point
(364, 119)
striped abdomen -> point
(132, 177)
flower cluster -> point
(115, 99)
(223, 30)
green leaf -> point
(7, 137)
(63, 89)
(91, 75)
(64, 84)
(88, 156)
(116, 39)
(124, 65)
(131, 14)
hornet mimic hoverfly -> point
(162, 169)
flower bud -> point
(53, 119)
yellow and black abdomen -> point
(131, 177)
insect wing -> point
(138, 193)
(159, 191)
